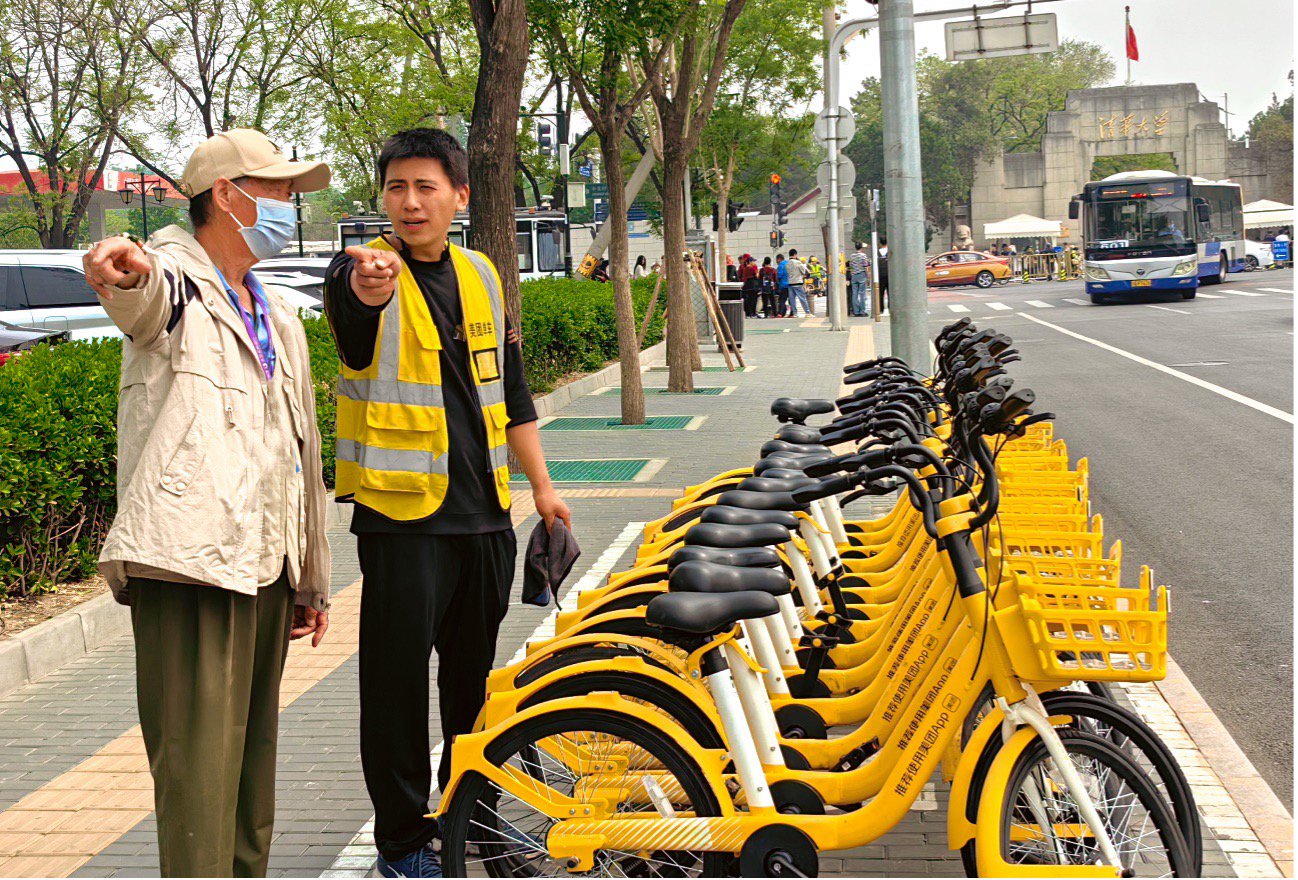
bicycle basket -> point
(1087, 633)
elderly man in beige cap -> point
(218, 544)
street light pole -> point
(297, 215)
(907, 288)
(565, 163)
(144, 203)
(833, 295)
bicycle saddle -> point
(798, 434)
(780, 446)
(769, 484)
(719, 535)
(708, 577)
(792, 460)
(742, 557)
(798, 409)
(747, 516)
(751, 500)
(706, 614)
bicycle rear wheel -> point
(508, 835)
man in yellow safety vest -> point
(430, 399)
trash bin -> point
(733, 311)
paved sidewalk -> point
(75, 795)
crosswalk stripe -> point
(1275, 290)
(1208, 295)
(1077, 302)
(1000, 307)
(958, 308)
(1244, 293)
(1036, 303)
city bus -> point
(1155, 230)
(540, 236)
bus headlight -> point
(1096, 273)
(1185, 267)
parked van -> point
(47, 289)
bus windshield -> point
(1139, 215)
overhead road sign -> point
(998, 37)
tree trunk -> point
(628, 347)
(682, 339)
(501, 27)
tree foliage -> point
(1271, 132)
(969, 110)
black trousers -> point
(423, 592)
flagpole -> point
(1125, 37)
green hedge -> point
(58, 456)
(58, 423)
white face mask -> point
(273, 228)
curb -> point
(35, 653)
(548, 404)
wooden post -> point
(649, 312)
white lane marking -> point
(1202, 295)
(1276, 290)
(1167, 309)
(1193, 380)
(1244, 293)
(1077, 302)
(356, 859)
(1036, 303)
(958, 308)
(1000, 307)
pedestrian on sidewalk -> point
(767, 276)
(883, 278)
(782, 286)
(752, 286)
(219, 543)
(859, 270)
(796, 271)
(432, 392)
(641, 268)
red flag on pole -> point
(1133, 53)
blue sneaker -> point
(423, 862)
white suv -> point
(47, 288)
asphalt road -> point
(1197, 484)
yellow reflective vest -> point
(392, 437)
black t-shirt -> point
(471, 506)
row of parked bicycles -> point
(775, 678)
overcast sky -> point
(1244, 48)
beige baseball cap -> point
(243, 152)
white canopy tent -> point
(1022, 226)
(1264, 213)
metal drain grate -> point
(600, 423)
(705, 369)
(591, 470)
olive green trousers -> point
(208, 666)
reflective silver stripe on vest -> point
(376, 458)
(390, 391)
(390, 343)
(499, 456)
(492, 392)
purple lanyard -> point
(260, 338)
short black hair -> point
(426, 143)
(793, 252)
(200, 206)
(779, 256)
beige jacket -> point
(218, 471)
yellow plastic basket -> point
(1087, 633)
(1104, 571)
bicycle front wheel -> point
(1042, 825)
(489, 831)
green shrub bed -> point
(58, 423)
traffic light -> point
(777, 238)
(545, 136)
(716, 218)
(733, 220)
